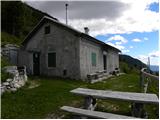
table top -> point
(116, 95)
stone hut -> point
(56, 49)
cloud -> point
(119, 42)
(154, 58)
(130, 46)
(118, 38)
(145, 38)
(125, 51)
(154, 54)
(105, 17)
(136, 40)
(120, 47)
(82, 9)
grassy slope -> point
(9, 39)
(53, 93)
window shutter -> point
(93, 59)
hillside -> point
(129, 64)
(18, 19)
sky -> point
(129, 25)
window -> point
(52, 59)
(47, 30)
(93, 59)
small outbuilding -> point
(55, 49)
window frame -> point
(45, 30)
(55, 59)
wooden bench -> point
(94, 114)
(138, 99)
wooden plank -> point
(94, 114)
(125, 96)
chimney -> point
(86, 30)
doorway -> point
(36, 63)
(104, 62)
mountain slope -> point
(19, 18)
(129, 64)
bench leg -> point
(89, 103)
(138, 110)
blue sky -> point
(146, 46)
(149, 42)
(129, 25)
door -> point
(104, 62)
(36, 63)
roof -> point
(83, 35)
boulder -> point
(16, 85)
(12, 84)
(9, 80)
(21, 82)
(5, 83)
(13, 89)
(8, 87)
(2, 91)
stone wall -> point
(19, 78)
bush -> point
(5, 76)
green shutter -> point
(51, 59)
(93, 59)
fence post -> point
(141, 81)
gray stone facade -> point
(73, 52)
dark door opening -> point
(104, 62)
(36, 63)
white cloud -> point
(118, 38)
(136, 40)
(145, 38)
(130, 46)
(125, 51)
(154, 54)
(154, 58)
(118, 43)
(120, 47)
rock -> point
(21, 83)
(12, 84)
(9, 80)
(13, 89)
(25, 77)
(5, 83)
(16, 85)
(2, 91)
(8, 87)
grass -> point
(9, 39)
(43, 97)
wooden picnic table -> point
(90, 95)
(116, 95)
(138, 99)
